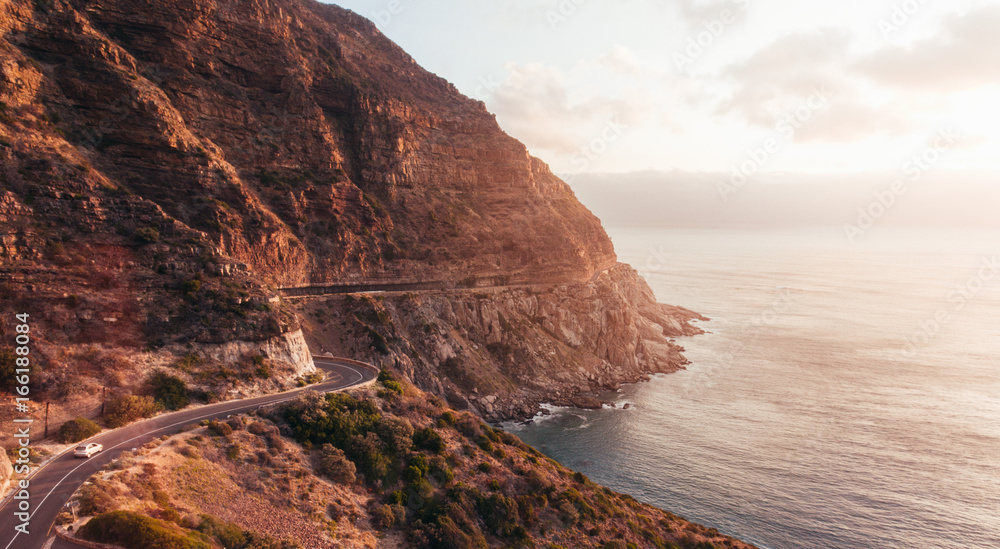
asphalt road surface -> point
(389, 287)
(51, 487)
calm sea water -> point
(847, 396)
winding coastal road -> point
(413, 287)
(52, 485)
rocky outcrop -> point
(289, 348)
(6, 471)
(505, 351)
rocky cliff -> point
(166, 168)
(289, 134)
(505, 351)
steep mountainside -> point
(172, 173)
(166, 168)
(401, 471)
(289, 134)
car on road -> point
(87, 450)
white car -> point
(87, 450)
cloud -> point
(847, 120)
(777, 78)
(535, 103)
(696, 12)
(963, 54)
(620, 60)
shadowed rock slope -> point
(289, 134)
(166, 167)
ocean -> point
(847, 395)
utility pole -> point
(46, 420)
(104, 398)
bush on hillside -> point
(219, 428)
(76, 430)
(125, 409)
(135, 531)
(429, 439)
(333, 464)
(169, 391)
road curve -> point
(52, 485)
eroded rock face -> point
(289, 348)
(167, 167)
(6, 470)
(293, 135)
(504, 352)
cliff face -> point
(291, 135)
(167, 167)
(505, 351)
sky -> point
(734, 87)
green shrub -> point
(229, 535)
(447, 419)
(219, 428)
(98, 497)
(499, 512)
(262, 367)
(383, 517)
(189, 362)
(134, 531)
(333, 464)
(429, 439)
(191, 287)
(147, 235)
(484, 443)
(470, 426)
(394, 386)
(386, 375)
(169, 391)
(368, 455)
(440, 472)
(396, 433)
(76, 430)
(355, 426)
(125, 409)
